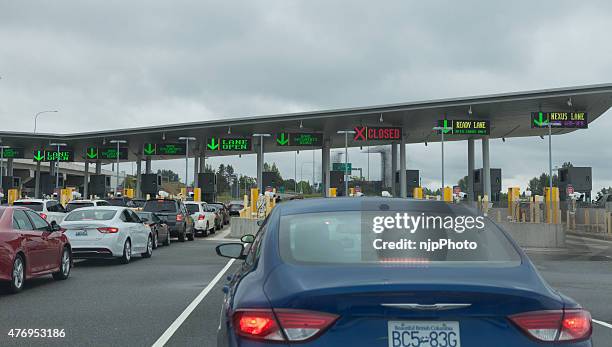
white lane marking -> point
(587, 239)
(162, 340)
(607, 325)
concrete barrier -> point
(537, 235)
(243, 226)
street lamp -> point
(442, 130)
(38, 114)
(187, 139)
(118, 142)
(261, 152)
(58, 145)
(2, 148)
(346, 173)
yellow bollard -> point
(417, 193)
(12, 195)
(332, 192)
(447, 194)
(65, 196)
(514, 194)
(254, 197)
(128, 193)
(197, 194)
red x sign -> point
(360, 133)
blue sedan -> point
(390, 273)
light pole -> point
(295, 172)
(2, 168)
(549, 124)
(346, 170)
(38, 114)
(118, 142)
(260, 164)
(58, 145)
(186, 139)
(442, 131)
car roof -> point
(361, 204)
(118, 208)
(34, 200)
(85, 200)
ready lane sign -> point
(164, 149)
(560, 120)
(228, 144)
(342, 167)
(94, 153)
(464, 127)
(11, 152)
(51, 155)
(365, 133)
(299, 139)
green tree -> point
(168, 175)
(537, 184)
(463, 183)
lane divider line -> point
(607, 325)
(163, 339)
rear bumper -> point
(200, 225)
(176, 229)
(93, 253)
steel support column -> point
(37, 181)
(138, 176)
(470, 169)
(402, 169)
(325, 156)
(260, 164)
(486, 167)
(86, 181)
(394, 189)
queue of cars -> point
(40, 237)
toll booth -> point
(207, 182)
(10, 182)
(150, 184)
(97, 186)
(578, 178)
(47, 183)
(412, 181)
(496, 184)
(336, 180)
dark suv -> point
(175, 215)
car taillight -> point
(108, 230)
(43, 215)
(179, 217)
(281, 324)
(201, 217)
(556, 325)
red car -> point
(31, 247)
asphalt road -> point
(107, 304)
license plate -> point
(423, 334)
(81, 233)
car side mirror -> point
(55, 226)
(144, 219)
(260, 222)
(248, 238)
(231, 250)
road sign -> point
(570, 189)
(341, 167)
(463, 127)
(53, 155)
(365, 133)
(149, 149)
(228, 144)
(11, 152)
(110, 152)
(299, 139)
(560, 120)
(164, 149)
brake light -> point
(179, 217)
(296, 325)
(555, 325)
(201, 217)
(108, 230)
(43, 215)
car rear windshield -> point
(160, 206)
(192, 208)
(71, 206)
(355, 237)
(235, 207)
(34, 205)
(117, 202)
(93, 214)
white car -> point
(107, 232)
(51, 210)
(74, 204)
(203, 217)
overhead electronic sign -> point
(164, 149)
(53, 155)
(570, 120)
(366, 133)
(299, 139)
(10, 152)
(228, 144)
(464, 126)
(106, 153)
(342, 167)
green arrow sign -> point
(92, 153)
(213, 144)
(149, 149)
(282, 139)
(39, 155)
(540, 121)
(445, 127)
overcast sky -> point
(109, 64)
